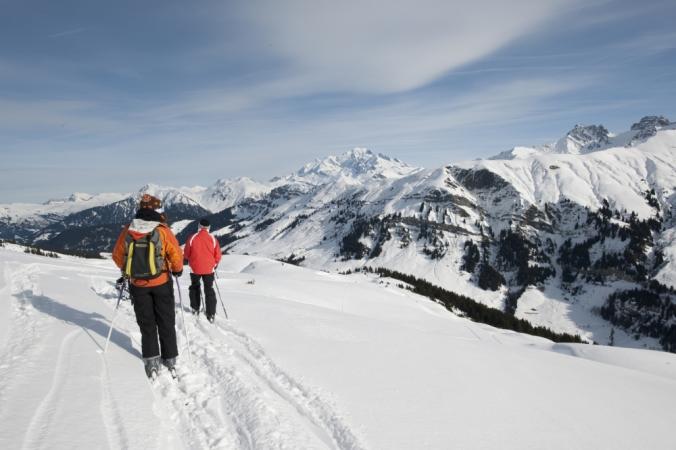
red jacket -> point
(202, 252)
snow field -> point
(309, 360)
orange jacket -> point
(173, 256)
(202, 252)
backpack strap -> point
(151, 256)
(157, 251)
(128, 254)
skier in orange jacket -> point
(147, 252)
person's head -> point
(149, 203)
(204, 225)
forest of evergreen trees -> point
(649, 310)
(475, 311)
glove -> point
(177, 274)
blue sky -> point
(106, 96)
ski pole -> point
(219, 295)
(185, 330)
(117, 308)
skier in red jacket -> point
(203, 253)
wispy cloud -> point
(67, 33)
(48, 116)
(602, 12)
(483, 107)
(363, 46)
(649, 43)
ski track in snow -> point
(42, 418)
(233, 396)
(18, 353)
(310, 406)
(110, 412)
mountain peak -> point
(650, 122)
(150, 188)
(80, 197)
(75, 197)
(356, 164)
(583, 139)
(647, 127)
(359, 153)
(226, 192)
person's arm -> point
(174, 255)
(119, 248)
(187, 249)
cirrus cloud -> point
(385, 47)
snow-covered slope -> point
(583, 139)
(225, 193)
(551, 235)
(20, 221)
(622, 175)
(308, 360)
(358, 166)
(23, 212)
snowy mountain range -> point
(583, 139)
(577, 236)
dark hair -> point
(204, 223)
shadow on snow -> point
(90, 322)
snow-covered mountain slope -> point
(24, 222)
(41, 214)
(621, 175)
(308, 360)
(358, 166)
(580, 140)
(548, 237)
(583, 139)
(95, 229)
(56, 207)
(225, 193)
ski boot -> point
(152, 366)
(211, 318)
(170, 364)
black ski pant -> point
(155, 314)
(209, 293)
